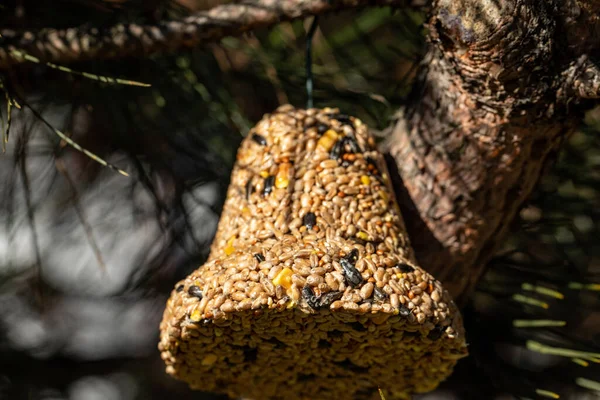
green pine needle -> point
(101, 78)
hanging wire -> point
(309, 76)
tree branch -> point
(501, 89)
(86, 43)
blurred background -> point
(88, 256)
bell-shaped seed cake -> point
(311, 290)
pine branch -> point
(63, 46)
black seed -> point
(405, 267)
(195, 291)
(345, 145)
(249, 189)
(179, 288)
(322, 128)
(322, 301)
(404, 312)
(352, 144)
(324, 344)
(259, 257)
(336, 150)
(411, 334)
(326, 299)
(309, 220)
(259, 139)
(269, 183)
(380, 295)
(352, 275)
(352, 256)
(310, 297)
(436, 332)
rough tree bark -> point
(504, 84)
(124, 40)
(501, 90)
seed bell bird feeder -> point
(311, 290)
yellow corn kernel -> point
(209, 359)
(283, 174)
(284, 278)
(229, 249)
(196, 315)
(264, 174)
(281, 183)
(365, 180)
(328, 139)
(362, 235)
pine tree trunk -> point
(500, 91)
